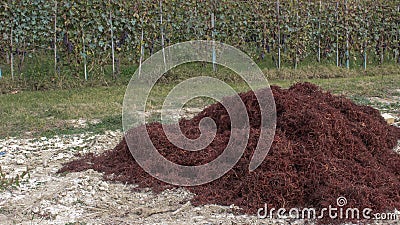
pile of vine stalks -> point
(325, 147)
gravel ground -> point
(50, 198)
(83, 198)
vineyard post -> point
(319, 31)
(55, 38)
(337, 34)
(12, 54)
(279, 34)
(265, 36)
(365, 55)
(297, 36)
(365, 40)
(7, 58)
(112, 43)
(214, 57)
(397, 57)
(162, 35)
(347, 35)
(195, 16)
(84, 54)
(141, 52)
(213, 39)
(382, 40)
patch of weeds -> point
(154, 117)
(12, 182)
(395, 92)
(77, 148)
(63, 174)
(108, 123)
(75, 223)
(387, 107)
(79, 201)
(361, 100)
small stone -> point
(20, 161)
(4, 219)
(35, 210)
(60, 156)
(388, 118)
(95, 121)
(45, 163)
(197, 219)
(103, 186)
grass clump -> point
(12, 182)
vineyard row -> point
(97, 32)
